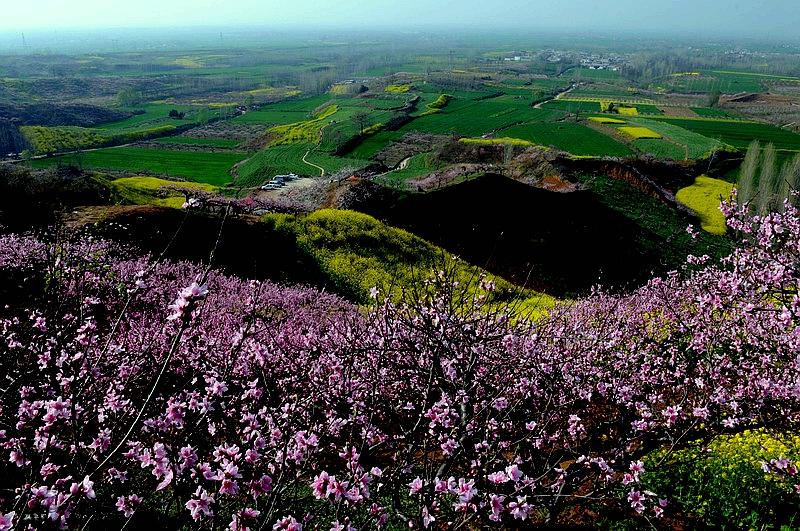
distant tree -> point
(713, 98)
(178, 115)
(765, 186)
(790, 180)
(361, 119)
(748, 174)
(768, 183)
(130, 97)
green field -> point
(712, 81)
(371, 145)
(283, 112)
(738, 134)
(709, 112)
(644, 108)
(193, 141)
(343, 127)
(573, 106)
(659, 148)
(156, 115)
(476, 118)
(607, 92)
(691, 144)
(588, 73)
(211, 168)
(725, 81)
(574, 138)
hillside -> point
(561, 243)
(346, 252)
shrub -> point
(398, 89)
(725, 481)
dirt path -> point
(402, 166)
(62, 153)
(556, 97)
(320, 168)
(403, 163)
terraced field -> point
(475, 118)
(704, 82)
(276, 160)
(156, 115)
(713, 112)
(373, 144)
(284, 112)
(659, 148)
(737, 133)
(573, 106)
(690, 144)
(194, 141)
(571, 137)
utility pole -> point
(24, 44)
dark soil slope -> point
(562, 243)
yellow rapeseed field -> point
(704, 197)
(639, 132)
(606, 120)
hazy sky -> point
(776, 18)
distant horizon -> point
(130, 38)
(771, 20)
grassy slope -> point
(357, 252)
(151, 191)
(656, 217)
(375, 143)
(154, 115)
(704, 197)
(418, 166)
(277, 160)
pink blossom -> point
(7, 521)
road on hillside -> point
(320, 168)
